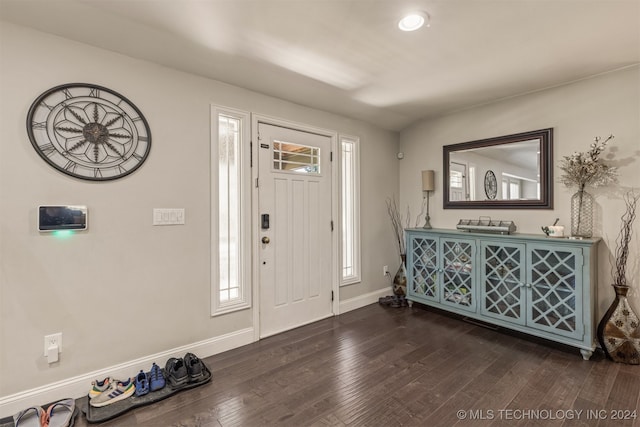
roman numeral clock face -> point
(88, 132)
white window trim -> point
(357, 259)
(244, 262)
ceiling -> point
(348, 57)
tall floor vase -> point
(619, 330)
(400, 279)
(582, 214)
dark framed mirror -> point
(505, 172)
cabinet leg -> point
(586, 354)
(410, 303)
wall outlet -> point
(385, 270)
(53, 339)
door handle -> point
(265, 240)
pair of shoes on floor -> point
(58, 414)
(385, 300)
(400, 302)
(397, 302)
(149, 381)
(186, 370)
(115, 391)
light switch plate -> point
(164, 216)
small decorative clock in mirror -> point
(505, 172)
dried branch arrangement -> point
(397, 224)
(624, 238)
(400, 222)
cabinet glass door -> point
(423, 277)
(502, 287)
(555, 280)
(458, 259)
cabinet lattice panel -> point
(425, 268)
(458, 266)
(553, 289)
(503, 285)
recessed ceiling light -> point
(413, 21)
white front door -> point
(295, 256)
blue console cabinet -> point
(529, 283)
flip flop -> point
(30, 417)
(60, 413)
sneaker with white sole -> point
(117, 391)
(97, 387)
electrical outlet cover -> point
(53, 339)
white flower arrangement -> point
(587, 169)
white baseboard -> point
(362, 300)
(79, 386)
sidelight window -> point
(230, 135)
(350, 205)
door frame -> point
(256, 119)
(466, 192)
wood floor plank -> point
(623, 397)
(383, 366)
(599, 382)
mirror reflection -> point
(512, 171)
(515, 168)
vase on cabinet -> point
(619, 330)
(582, 214)
(400, 279)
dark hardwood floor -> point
(382, 366)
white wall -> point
(578, 112)
(125, 289)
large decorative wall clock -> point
(88, 131)
(490, 185)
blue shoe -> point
(142, 383)
(156, 378)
